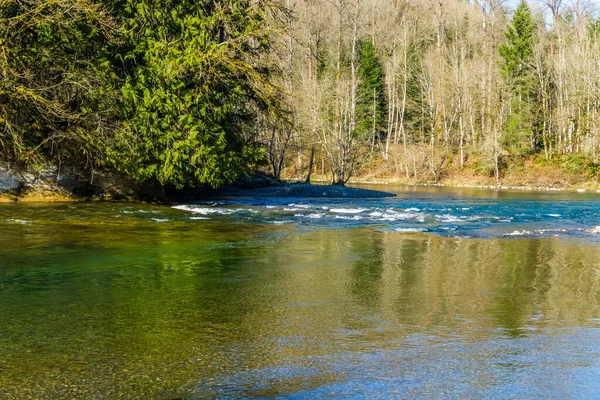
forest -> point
(192, 93)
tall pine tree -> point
(371, 106)
(517, 70)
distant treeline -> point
(189, 92)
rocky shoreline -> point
(70, 185)
(53, 185)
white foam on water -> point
(594, 230)
(18, 221)
(376, 214)
(355, 218)
(410, 230)
(281, 222)
(392, 215)
(160, 219)
(455, 218)
(291, 209)
(199, 218)
(554, 215)
(197, 210)
(208, 210)
(448, 218)
(313, 216)
(412, 209)
(304, 206)
(518, 233)
(542, 231)
(139, 212)
(347, 210)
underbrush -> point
(572, 163)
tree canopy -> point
(195, 82)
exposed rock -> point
(52, 184)
(8, 180)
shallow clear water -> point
(138, 301)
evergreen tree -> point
(195, 84)
(518, 72)
(371, 103)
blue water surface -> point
(474, 213)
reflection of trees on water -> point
(426, 280)
(191, 304)
(366, 271)
(518, 268)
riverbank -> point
(526, 174)
(49, 186)
(113, 189)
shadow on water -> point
(108, 304)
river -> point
(436, 293)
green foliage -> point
(517, 70)
(594, 29)
(518, 51)
(517, 132)
(160, 90)
(193, 90)
(577, 164)
(371, 102)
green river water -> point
(129, 301)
